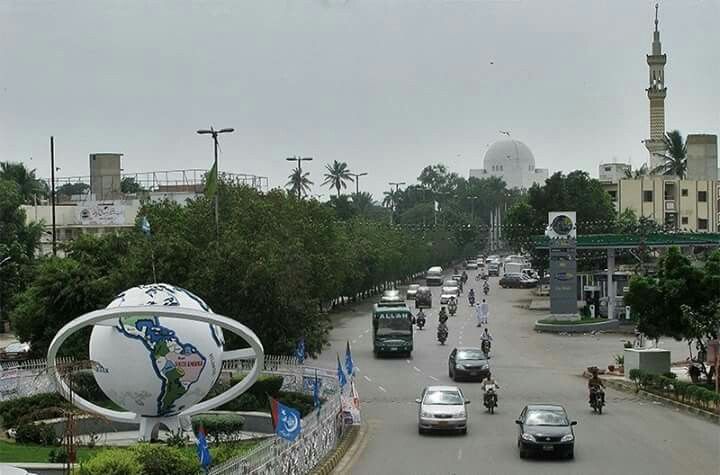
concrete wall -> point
(652, 360)
(702, 158)
(105, 175)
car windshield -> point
(449, 290)
(443, 398)
(470, 355)
(546, 418)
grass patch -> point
(12, 452)
(550, 321)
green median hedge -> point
(32, 408)
(669, 386)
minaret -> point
(656, 92)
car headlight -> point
(425, 414)
(528, 437)
(459, 414)
(567, 438)
(460, 365)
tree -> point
(337, 176)
(363, 202)
(639, 173)
(676, 158)
(392, 198)
(299, 183)
(70, 189)
(29, 186)
(129, 185)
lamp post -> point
(214, 133)
(52, 194)
(299, 161)
(357, 181)
(2, 263)
(396, 184)
(472, 206)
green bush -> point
(670, 375)
(221, 453)
(245, 402)
(301, 402)
(220, 427)
(31, 408)
(59, 456)
(159, 459)
(113, 462)
(32, 433)
(86, 386)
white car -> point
(411, 291)
(442, 408)
(448, 293)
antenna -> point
(656, 16)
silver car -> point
(442, 408)
(448, 293)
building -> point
(609, 174)
(702, 157)
(685, 205)
(656, 92)
(512, 161)
(104, 207)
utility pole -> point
(396, 184)
(214, 133)
(357, 181)
(52, 193)
(299, 161)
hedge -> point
(142, 459)
(31, 408)
(31, 433)
(112, 462)
(682, 391)
(220, 427)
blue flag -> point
(316, 393)
(202, 450)
(341, 374)
(300, 351)
(288, 421)
(145, 226)
(349, 366)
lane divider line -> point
(433, 378)
(382, 389)
(367, 379)
(417, 369)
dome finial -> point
(656, 16)
(505, 132)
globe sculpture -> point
(157, 350)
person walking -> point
(482, 311)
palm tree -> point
(337, 176)
(29, 186)
(639, 173)
(363, 201)
(675, 160)
(391, 198)
(299, 183)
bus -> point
(392, 329)
(434, 276)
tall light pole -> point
(214, 133)
(299, 161)
(472, 207)
(357, 181)
(52, 193)
(396, 184)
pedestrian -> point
(482, 311)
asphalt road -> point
(631, 436)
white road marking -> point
(367, 379)
(366, 331)
(361, 335)
(460, 453)
(354, 341)
(407, 361)
(417, 369)
(433, 378)
(382, 389)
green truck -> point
(392, 329)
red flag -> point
(274, 411)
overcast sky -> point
(387, 86)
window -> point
(669, 191)
(684, 192)
(613, 195)
(702, 224)
(608, 169)
(702, 196)
(684, 219)
(647, 196)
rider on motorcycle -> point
(596, 384)
(464, 277)
(443, 316)
(485, 337)
(442, 330)
(486, 287)
(452, 305)
(420, 317)
(489, 384)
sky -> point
(386, 86)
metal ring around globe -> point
(255, 352)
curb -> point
(576, 328)
(630, 388)
(328, 464)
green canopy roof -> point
(603, 241)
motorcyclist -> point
(420, 318)
(471, 296)
(464, 277)
(596, 384)
(443, 316)
(442, 331)
(486, 337)
(489, 384)
(452, 305)
(486, 287)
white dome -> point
(509, 155)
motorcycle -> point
(485, 347)
(490, 399)
(486, 289)
(597, 399)
(420, 322)
(464, 277)
(452, 308)
(478, 278)
(442, 334)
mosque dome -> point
(509, 156)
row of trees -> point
(277, 264)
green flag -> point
(211, 182)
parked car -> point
(449, 292)
(545, 428)
(517, 281)
(423, 298)
(15, 351)
(469, 363)
(442, 408)
(411, 291)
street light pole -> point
(52, 193)
(396, 184)
(299, 161)
(214, 133)
(357, 181)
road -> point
(631, 436)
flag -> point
(211, 182)
(316, 393)
(341, 374)
(286, 420)
(437, 206)
(300, 351)
(145, 226)
(349, 366)
(202, 449)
